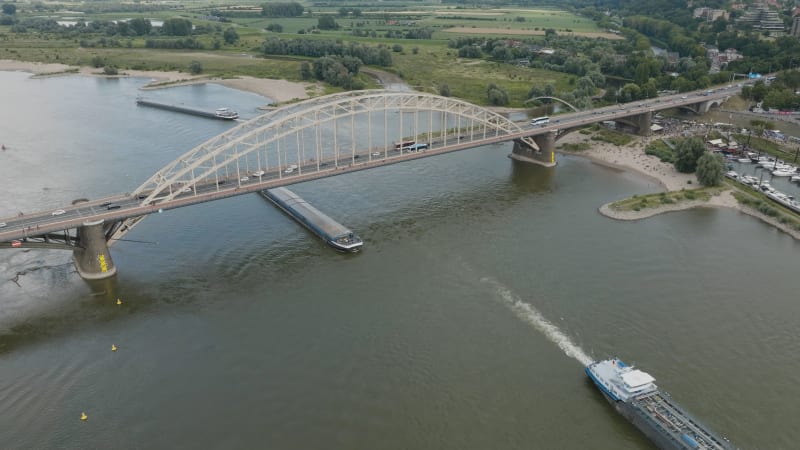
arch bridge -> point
(316, 138)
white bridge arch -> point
(322, 134)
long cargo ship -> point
(219, 113)
(634, 394)
(335, 234)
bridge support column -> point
(545, 155)
(92, 258)
(643, 123)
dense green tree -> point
(305, 71)
(177, 27)
(444, 90)
(710, 169)
(275, 28)
(140, 26)
(497, 95)
(687, 152)
(333, 71)
(535, 92)
(195, 67)
(9, 9)
(469, 51)
(230, 36)
(327, 23)
(630, 92)
(649, 89)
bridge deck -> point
(38, 223)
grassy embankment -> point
(641, 202)
(424, 64)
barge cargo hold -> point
(335, 234)
(635, 396)
(219, 114)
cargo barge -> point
(219, 113)
(335, 234)
(635, 396)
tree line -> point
(377, 56)
(280, 9)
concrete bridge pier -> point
(643, 122)
(545, 155)
(92, 258)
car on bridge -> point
(57, 212)
(3, 224)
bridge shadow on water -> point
(531, 178)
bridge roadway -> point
(40, 223)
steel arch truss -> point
(348, 120)
(319, 135)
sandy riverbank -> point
(277, 90)
(632, 157)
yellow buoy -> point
(119, 302)
(84, 416)
(113, 348)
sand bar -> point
(277, 90)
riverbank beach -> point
(632, 157)
(277, 90)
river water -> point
(483, 287)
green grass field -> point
(431, 65)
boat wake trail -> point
(531, 315)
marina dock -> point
(219, 114)
(335, 234)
